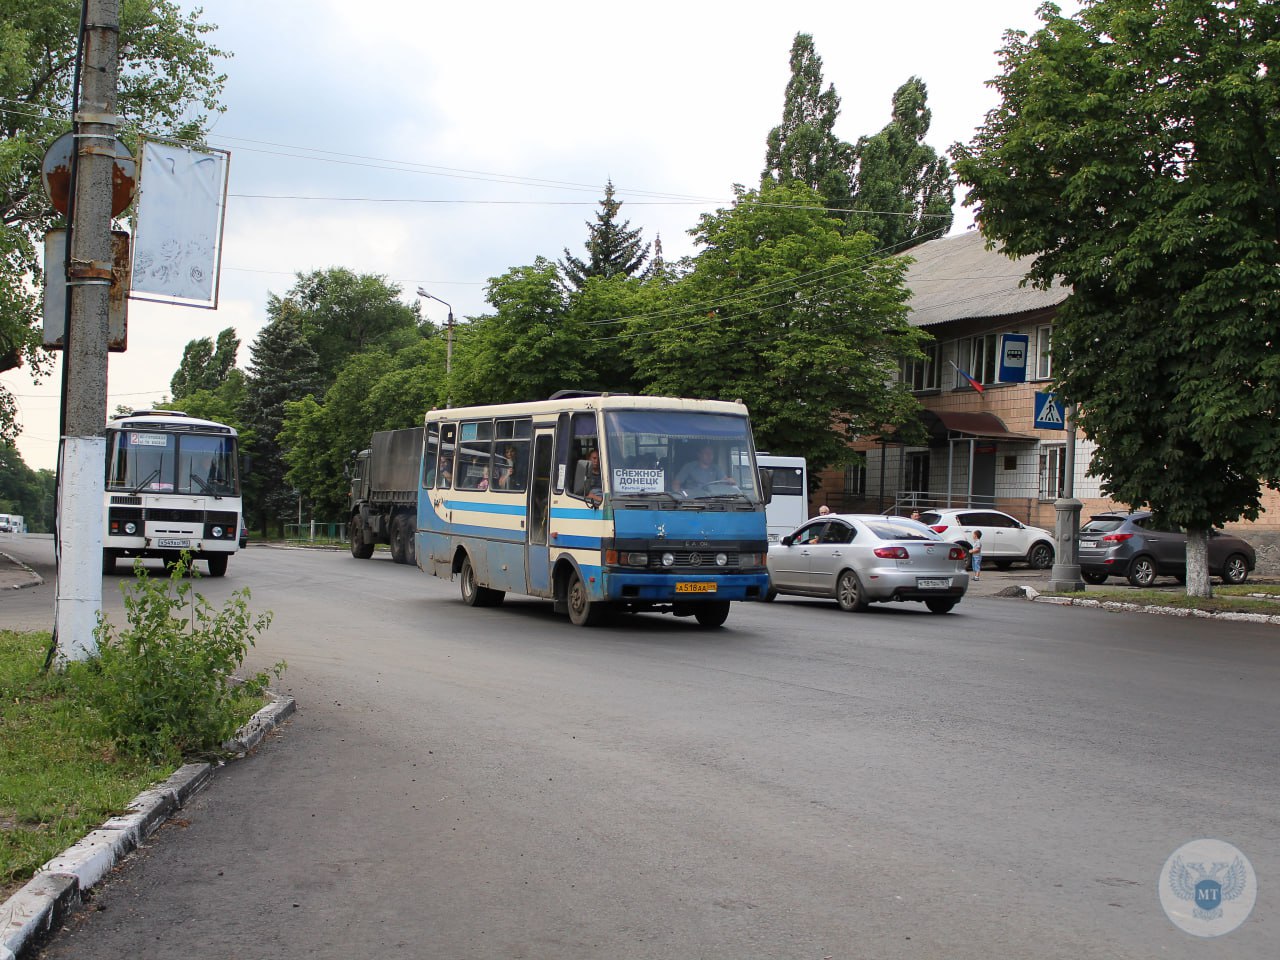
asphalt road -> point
(1004, 781)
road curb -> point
(35, 912)
(24, 577)
(1119, 606)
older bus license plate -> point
(698, 587)
(171, 544)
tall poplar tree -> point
(902, 188)
(205, 365)
(803, 148)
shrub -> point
(165, 687)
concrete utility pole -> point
(82, 461)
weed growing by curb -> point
(165, 687)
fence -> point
(316, 534)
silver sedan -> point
(859, 559)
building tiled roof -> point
(958, 278)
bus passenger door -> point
(538, 561)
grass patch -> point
(1245, 598)
(78, 744)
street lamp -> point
(448, 349)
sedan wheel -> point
(1235, 569)
(1093, 576)
(849, 592)
(1142, 572)
(941, 606)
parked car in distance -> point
(1005, 539)
(1140, 547)
(244, 536)
(858, 559)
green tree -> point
(788, 313)
(205, 365)
(26, 492)
(374, 391)
(168, 85)
(344, 313)
(902, 190)
(528, 348)
(804, 148)
(613, 249)
(282, 368)
(1136, 155)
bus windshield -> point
(686, 454)
(147, 461)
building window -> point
(922, 374)
(982, 356)
(1053, 467)
(855, 480)
(1044, 354)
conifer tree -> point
(614, 250)
(283, 367)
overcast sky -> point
(439, 145)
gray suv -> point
(1140, 547)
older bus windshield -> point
(688, 454)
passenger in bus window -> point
(446, 472)
(591, 487)
(505, 471)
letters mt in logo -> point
(1202, 886)
(1207, 888)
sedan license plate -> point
(1088, 543)
(699, 587)
(933, 583)
(172, 544)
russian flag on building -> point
(972, 382)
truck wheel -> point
(397, 540)
(407, 525)
(474, 595)
(359, 549)
(217, 564)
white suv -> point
(1005, 540)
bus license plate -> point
(939, 583)
(173, 544)
(695, 588)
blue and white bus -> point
(599, 503)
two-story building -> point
(996, 436)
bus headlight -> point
(130, 528)
(217, 533)
(722, 559)
(668, 559)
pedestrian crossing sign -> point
(1050, 414)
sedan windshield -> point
(684, 454)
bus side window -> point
(448, 443)
(430, 451)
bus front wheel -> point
(218, 564)
(583, 612)
(711, 615)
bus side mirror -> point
(246, 466)
(766, 485)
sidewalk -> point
(15, 575)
